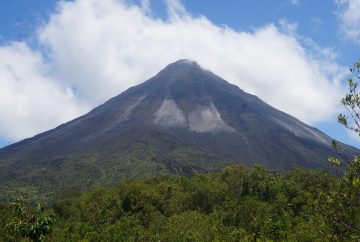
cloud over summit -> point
(91, 50)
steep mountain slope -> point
(183, 120)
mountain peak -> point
(181, 66)
(185, 62)
(184, 120)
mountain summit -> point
(184, 120)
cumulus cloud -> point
(95, 49)
(349, 14)
(30, 100)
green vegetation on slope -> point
(40, 181)
(238, 203)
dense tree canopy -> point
(238, 203)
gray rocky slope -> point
(183, 120)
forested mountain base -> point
(237, 204)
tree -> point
(342, 207)
(33, 225)
(351, 121)
(351, 102)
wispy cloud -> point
(175, 8)
(145, 6)
(295, 2)
(349, 15)
(101, 47)
(287, 27)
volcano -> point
(185, 120)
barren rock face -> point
(202, 119)
(205, 119)
(169, 115)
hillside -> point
(185, 120)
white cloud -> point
(145, 5)
(353, 135)
(295, 2)
(30, 100)
(102, 47)
(175, 9)
(349, 14)
(289, 28)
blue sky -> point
(36, 34)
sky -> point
(60, 59)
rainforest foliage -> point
(236, 204)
